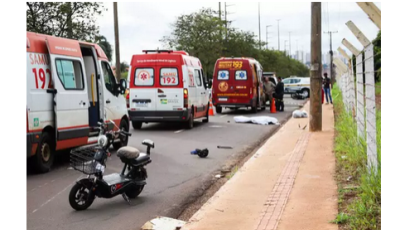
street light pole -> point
(117, 61)
(267, 35)
(259, 27)
(279, 41)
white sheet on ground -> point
(262, 120)
(299, 114)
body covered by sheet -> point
(261, 120)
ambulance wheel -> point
(137, 124)
(44, 157)
(218, 109)
(205, 120)
(189, 124)
(123, 139)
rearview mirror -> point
(122, 86)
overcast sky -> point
(142, 25)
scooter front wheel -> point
(80, 198)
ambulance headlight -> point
(102, 141)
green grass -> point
(378, 88)
(232, 172)
(359, 208)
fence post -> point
(370, 107)
(360, 97)
(352, 89)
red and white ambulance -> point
(237, 84)
(70, 87)
(166, 85)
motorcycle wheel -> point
(79, 197)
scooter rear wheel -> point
(135, 191)
(80, 198)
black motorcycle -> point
(91, 160)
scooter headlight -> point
(102, 141)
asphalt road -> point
(175, 176)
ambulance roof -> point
(165, 58)
(36, 43)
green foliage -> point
(75, 20)
(203, 34)
(364, 211)
(124, 75)
(105, 45)
(124, 67)
(341, 218)
(377, 58)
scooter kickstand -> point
(126, 198)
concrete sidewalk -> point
(287, 184)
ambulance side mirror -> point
(122, 86)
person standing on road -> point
(327, 88)
(279, 92)
(269, 88)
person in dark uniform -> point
(279, 92)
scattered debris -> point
(201, 153)
(344, 157)
(351, 187)
(163, 223)
(349, 178)
(299, 126)
(305, 127)
(299, 114)
(224, 147)
(218, 176)
(229, 121)
(219, 210)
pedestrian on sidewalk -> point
(327, 88)
(279, 92)
(269, 89)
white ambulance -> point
(70, 87)
(167, 85)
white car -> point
(297, 84)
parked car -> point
(294, 84)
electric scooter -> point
(91, 160)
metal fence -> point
(359, 99)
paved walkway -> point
(287, 184)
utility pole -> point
(331, 54)
(279, 41)
(219, 5)
(226, 22)
(117, 62)
(316, 71)
(267, 35)
(285, 48)
(259, 27)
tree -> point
(75, 20)
(377, 57)
(124, 67)
(202, 34)
(105, 45)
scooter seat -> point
(143, 157)
(128, 152)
